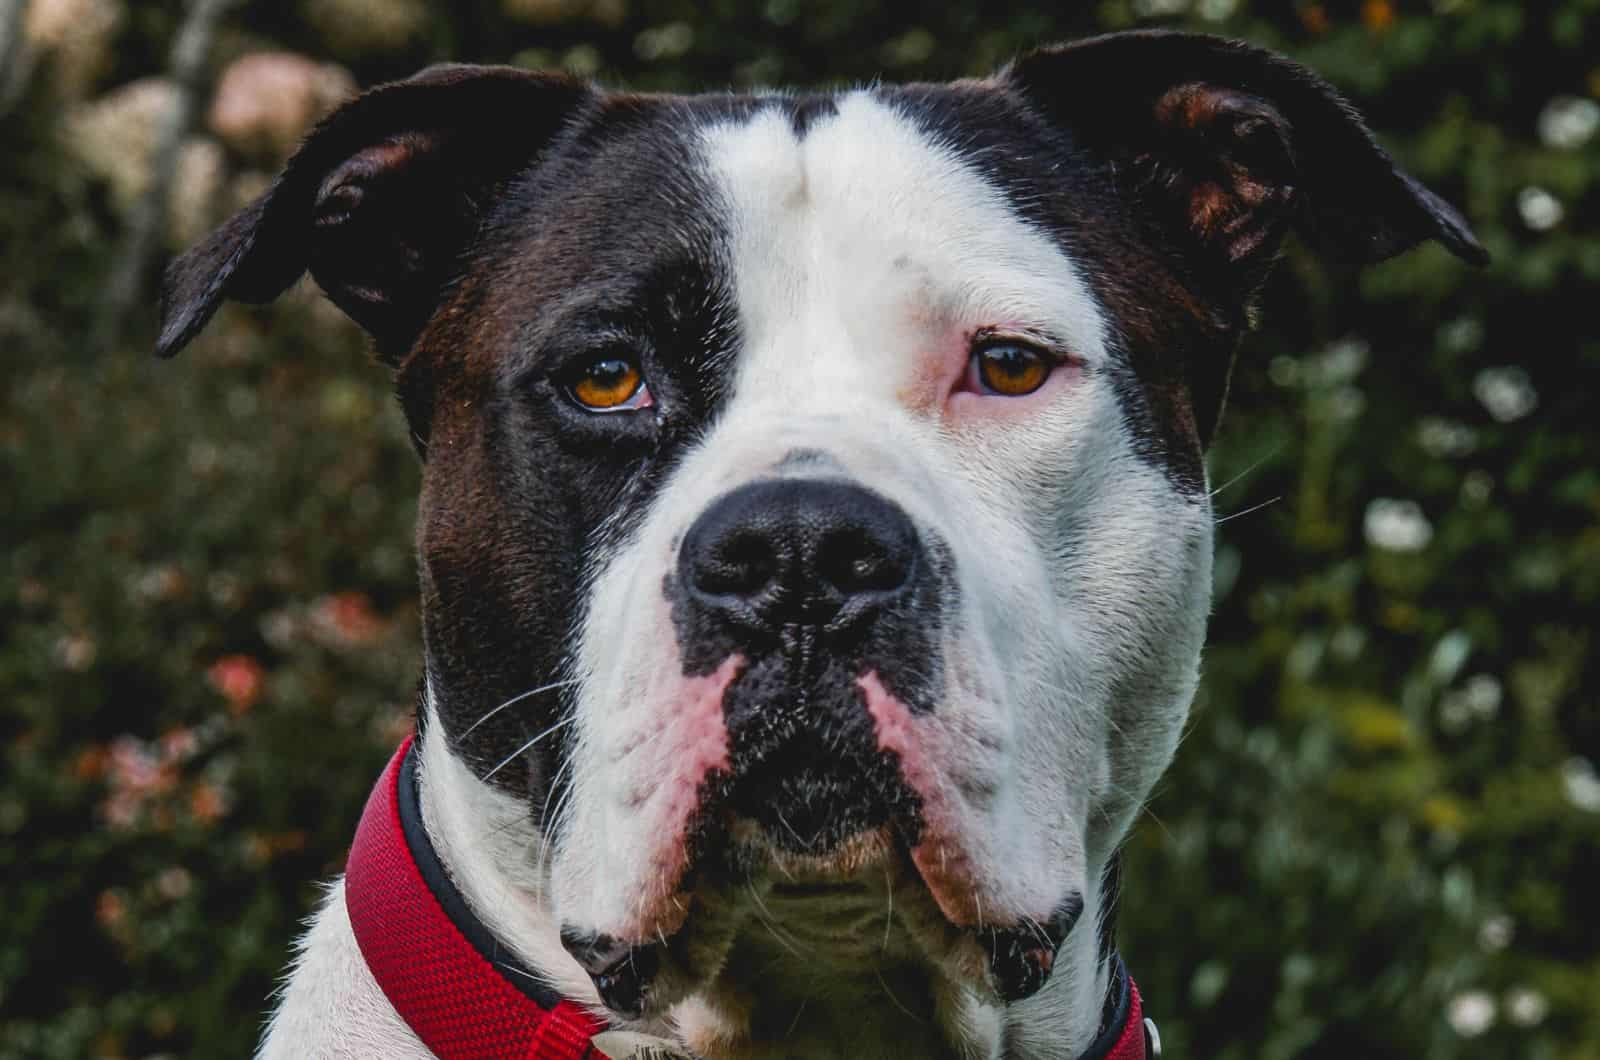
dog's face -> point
(814, 539)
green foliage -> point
(1384, 821)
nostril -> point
(857, 560)
(740, 563)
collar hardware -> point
(1152, 1039)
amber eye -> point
(1010, 369)
(609, 383)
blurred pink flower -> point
(136, 771)
(265, 102)
(91, 763)
(345, 619)
(110, 910)
(239, 678)
(179, 744)
(207, 803)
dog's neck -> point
(496, 857)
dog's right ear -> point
(378, 203)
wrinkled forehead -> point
(861, 204)
(871, 221)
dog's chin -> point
(771, 928)
(758, 853)
(771, 925)
(754, 892)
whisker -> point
(550, 820)
(1036, 930)
(890, 995)
(514, 755)
(525, 974)
(1247, 511)
(888, 914)
(764, 915)
(1262, 459)
(514, 699)
(790, 829)
(797, 1014)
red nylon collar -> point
(446, 975)
(450, 992)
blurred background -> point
(1382, 835)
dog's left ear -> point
(1238, 144)
(1227, 147)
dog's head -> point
(815, 541)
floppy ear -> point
(1226, 147)
(1236, 145)
(378, 202)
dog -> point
(814, 538)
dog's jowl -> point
(814, 538)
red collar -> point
(461, 992)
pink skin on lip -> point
(945, 865)
(702, 748)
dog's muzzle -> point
(801, 578)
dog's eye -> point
(609, 383)
(1009, 369)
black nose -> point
(799, 552)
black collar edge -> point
(505, 963)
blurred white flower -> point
(1478, 699)
(115, 135)
(76, 651)
(1471, 1013)
(196, 187)
(1345, 404)
(1347, 643)
(1495, 933)
(670, 41)
(174, 882)
(1506, 392)
(1159, 8)
(545, 12)
(1582, 784)
(78, 35)
(1482, 695)
(1525, 1006)
(1476, 486)
(1445, 438)
(1461, 334)
(1397, 525)
(582, 60)
(1449, 655)
(1540, 210)
(1569, 121)
(367, 26)
(1341, 362)
(1216, 10)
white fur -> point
(332, 1008)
